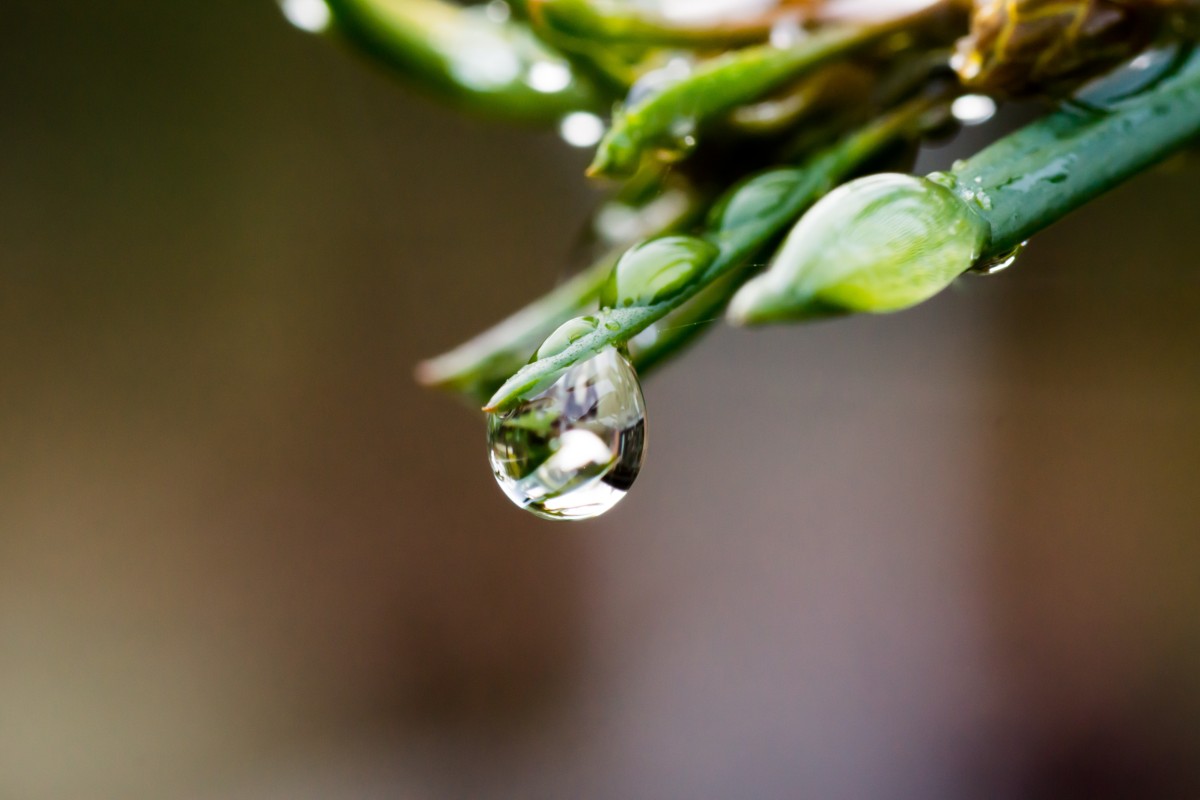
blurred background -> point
(948, 553)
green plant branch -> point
(1032, 178)
(752, 216)
(629, 24)
(726, 82)
(886, 242)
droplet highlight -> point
(573, 451)
(999, 263)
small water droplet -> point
(657, 269)
(999, 263)
(979, 198)
(573, 451)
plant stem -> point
(1032, 178)
(822, 173)
(725, 83)
(628, 24)
(478, 366)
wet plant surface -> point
(750, 114)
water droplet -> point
(312, 16)
(978, 198)
(581, 129)
(651, 272)
(999, 263)
(973, 109)
(573, 451)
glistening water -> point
(573, 451)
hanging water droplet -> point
(999, 263)
(573, 451)
(656, 269)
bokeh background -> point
(949, 553)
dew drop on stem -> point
(574, 450)
(997, 263)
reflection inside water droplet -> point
(996, 264)
(573, 451)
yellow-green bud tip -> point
(878, 244)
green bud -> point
(878, 244)
(566, 335)
(654, 270)
(755, 200)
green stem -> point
(478, 366)
(1032, 178)
(498, 68)
(725, 83)
(801, 187)
(630, 25)
(684, 326)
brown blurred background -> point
(950, 553)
